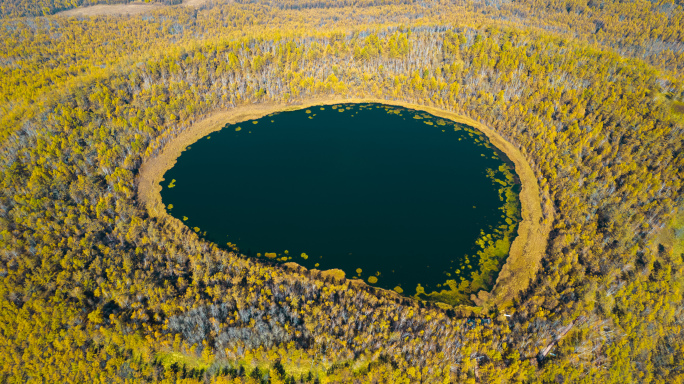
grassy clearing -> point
(167, 359)
(672, 236)
(678, 107)
(123, 9)
(678, 247)
(111, 9)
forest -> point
(94, 288)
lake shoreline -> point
(526, 250)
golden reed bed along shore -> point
(526, 250)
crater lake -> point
(397, 197)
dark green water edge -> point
(400, 198)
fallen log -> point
(564, 331)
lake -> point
(397, 197)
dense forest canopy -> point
(94, 288)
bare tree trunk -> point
(558, 338)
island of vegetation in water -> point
(399, 198)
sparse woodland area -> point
(93, 289)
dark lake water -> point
(397, 194)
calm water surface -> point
(399, 194)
